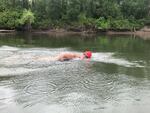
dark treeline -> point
(74, 14)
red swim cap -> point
(88, 54)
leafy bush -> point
(27, 17)
(9, 19)
(119, 24)
(126, 24)
(102, 23)
(42, 24)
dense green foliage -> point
(75, 14)
(27, 19)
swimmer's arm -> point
(45, 58)
(81, 57)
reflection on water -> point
(115, 80)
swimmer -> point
(69, 56)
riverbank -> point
(143, 33)
(62, 32)
(7, 31)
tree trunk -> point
(13, 3)
(29, 27)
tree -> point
(47, 13)
(27, 19)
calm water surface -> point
(116, 80)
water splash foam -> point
(109, 58)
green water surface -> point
(117, 79)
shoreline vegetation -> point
(75, 16)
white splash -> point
(15, 60)
(109, 58)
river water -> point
(115, 80)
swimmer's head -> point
(87, 54)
